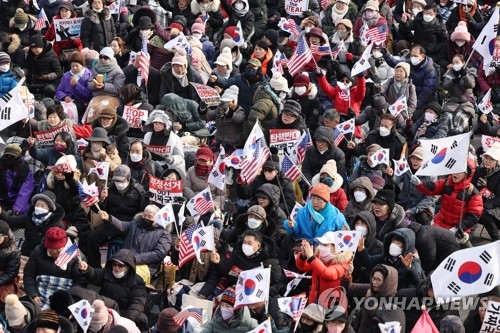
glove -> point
(414, 180)
(69, 175)
(169, 159)
(463, 72)
(348, 56)
(456, 80)
(351, 113)
(319, 73)
(383, 50)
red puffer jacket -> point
(453, 196)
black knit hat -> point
(262, 45)
(292, 107)
(434, 106)
(385, 197)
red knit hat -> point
(301, 80)
(322, 191)
(231, 31)
(55, 238)
(175, 25)
(204, 153)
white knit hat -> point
(279, 83)
(108, 52)
(180, 58)
(14, 310)
(225, 58)
(230, 94)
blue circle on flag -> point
(469, 272)
(439, 156)
(249, 287)
(84, 313)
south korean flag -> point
(445, 156)
(252, 287)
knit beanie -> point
(48, 319)
(99, 317)
(15, 311)
(272, 35)
(225, 58)
(204, 153)
(257, 211)
(180, 58)
(20, 18)
(77, 57)
(60, 301)
(48, 196)
(434, 106)
(12, 149)
(322, 191)
(279, 83)
(405, 66)
(229, 296)
(198, 26)
(330, 168)
(230, 94)
(385, 197)
(4, 57)
(292, 107)
(55, 238)
(37, 41)
(461, 32)
(301, 80)
(166, 323)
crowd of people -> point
(81, 68)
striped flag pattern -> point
(182, 316)
(40, 22)
(345, 92)
(325, 4)
(290, 274)
(320, 50)
(65, 257)
(186, 249)
(289, 169)
(256, 153)
(201, 203)
(301, 57)
(301, 147)
(377, 34)
(87, 199)
(289, 25)
(144, 60)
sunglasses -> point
(345, 81)
(469, 5)
(104, 57)
(117, 264)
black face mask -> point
(308, 328)
(10, 163)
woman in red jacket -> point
(327, 266)
(461, 202)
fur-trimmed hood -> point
(94, 17)
(337, 182)
(51, 179)
(15, 43)
(148, 127)
(341, 257)
(197, 9)
(313, 92)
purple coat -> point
(20, 200)
(80, 91)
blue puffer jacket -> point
(423, 76)
(7, 82)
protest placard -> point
(163, 191)
(296, 7)
(67, 28)
(46, 138)
(207, 94)
(134, 116)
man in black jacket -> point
(152, 88)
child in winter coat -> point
(328, 175)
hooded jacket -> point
(274, 214)
(233, 235)
(357, 94)
(247, 20)
(407, 277)
(7, 82)
(198, 183)
(314, 160)
(373, 246)
(184, 111)
(10, 260)
(26, 34)
(455, 200)
(129, 292)
(214, 12)
(229, 125)
(46, 63)
(11, 44)
(353, 207)
(395, 142)
(16, 186)
(265, 109)
(98, 29)
(394, 221)
(324, 275)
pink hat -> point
(180, 58)
(461, 32)
(198, 26)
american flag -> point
(339, 48)
(298, 305)
(144, 60)
(301, 57)
(289, 169)
(339, 139)
(201, 203)
(256, 154)
(345, 92)
(40, 22)
(87, 199)
(320, 50)
(301, 147)
(325, 4)
(182, 316)
(186, 249)
(289, 25)
(65, 257)
(377, 34)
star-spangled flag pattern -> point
(182, 316)
(301, 57)
(289, 25)
(82, 311)
(144, 61)
(346, 240)
(400, 105)
(292, 306)
(67, 255)
(401, 166)
(41, 21)
(186, 249)
(320, 50)
(377, 34)
(255, 154)
(289, 169)
(345, 91)
(485, 105)
(299, 150)
(325, 4)
(466, 272)
(252, 286)
(89, 194)
(201, 203)
(381, 156)
(485, 38)
(218, 172)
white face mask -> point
(205, 5)
(415, 60)
(325, 253)
(226, 313)
(429, 116)
(428, 18)
(395, 250)
(359, 196)
(253, 223)
(121, 186)
(282, 95)
(460, 43)
(377, 54)
(308, 29)
(40, 211)
(197, 35)
(247, 249)
(362, 230)
(135, 157)
(415, 11)
(4, 68)
(119, 275)
(239, 6)
(98, 10)
(300, 90)
(384, 131)
(457, 67)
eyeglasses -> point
(104, 57)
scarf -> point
(201, 170)
(338, 15)
(462, 12)
(274, 97)
(104, 68)
(373, 21)
(40, 219)
(183, 80)
(77, 76)
(483, 181)
(318, 217)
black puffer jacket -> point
(129, 292)
(311, 108)
(275, 216)
(98, 29)
(125, 205)
(141, 169)
(394, 142)
(33, 234)
(393, 222)
(170, 84)
(373, 246)
(10, 260)
(314, 160)
(117, 134)
(47, 63)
